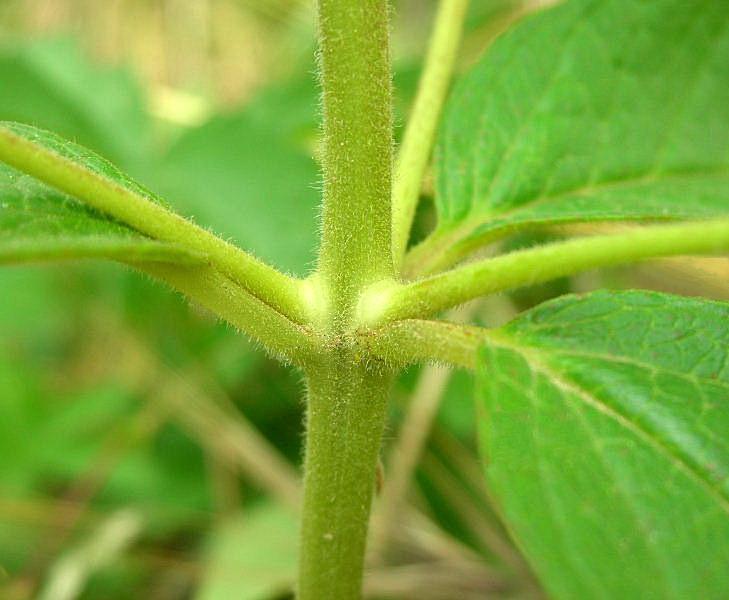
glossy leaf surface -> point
(604, 435)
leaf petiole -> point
(526, 267)
(281, 337)
(420, 132)
(60, 164)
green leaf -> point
(251, 175)
(252, 556)
(596, 110)
(39, 223)
(50, 84)
(289, 108)
(80, 157)
(604, 436)
(249, 183)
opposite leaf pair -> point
(604, 414)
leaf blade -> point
(252, 556)
(47, 84)
(605, 445)
(250, 182)
(41, 224)
(88, 177)
(624, 118)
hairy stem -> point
(346, 400)
(434, 294)
(357, 96)
(151, 218)
(420, 133)
(346, 416)
(413, 341)
(407, 451)
(281, 337)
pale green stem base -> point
(346, 415)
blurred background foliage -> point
(147, 451)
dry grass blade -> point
(228, 435)
(69, 576)
(406, 453)
(412, 438)
(208, 415)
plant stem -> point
(131, 250)
(151, 218)
(357, 96)
(282, 338)
(413, 341)
(420, 133)
(346, 400)
(346, 416)
(527, 267)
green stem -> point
(443, 249)
(347, 401)
(412, 341)
(345, 419)
(132, 250)
(420, 133)
(527, 267)
(356, 81)
(143, 214)
(282, 338)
